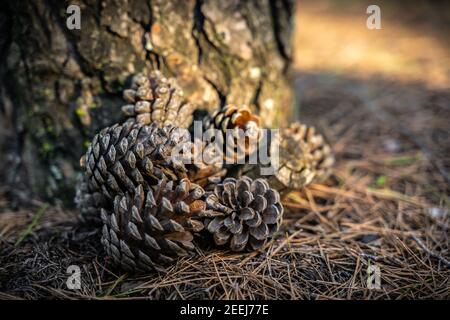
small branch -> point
(431, 253)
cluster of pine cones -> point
(154, 209)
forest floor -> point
(387, 205)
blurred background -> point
(413, 44)
(378, 93)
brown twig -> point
(430, 252)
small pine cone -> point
(154, 98)
(247, 213)
(233, 118)
(304, 156)
(122, 157)
(149, 228)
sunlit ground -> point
(413, 43)
(397, 78)
(382, 99)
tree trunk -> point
(60, 86)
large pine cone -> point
(233, 118)
(150, 227)
(154, 98)
(304, 156)
(248, 212)
(122, 157)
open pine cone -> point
(304, 156)
(247, 213)
(215, 162)
(149, 228)
(233, 118)
(154, 98)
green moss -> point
(381, 181)
(80, 112)
(47, 148)
(47, 92)
(49, 129)
(86, 144)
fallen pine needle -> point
(431, 253)
(33, 223)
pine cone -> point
(234, 118)
(155, 98)
(304, 156)
(212, 164)
(150, 227)
(248, 212)
(122, 157)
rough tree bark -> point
(59, 86)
